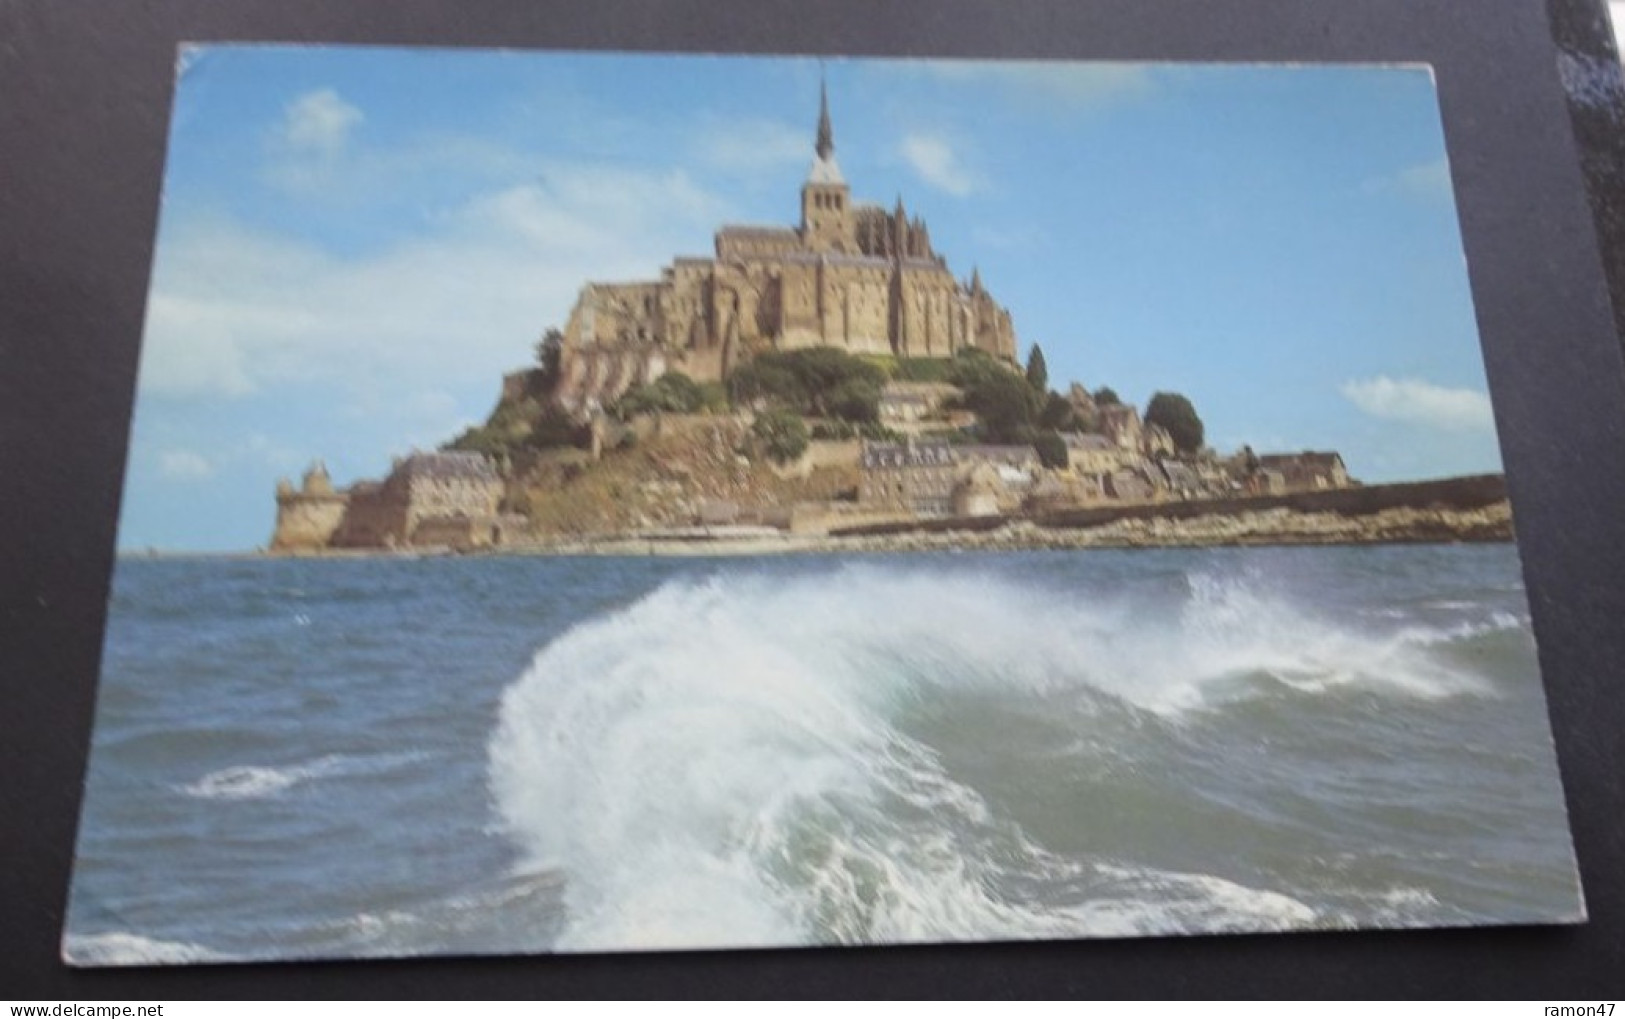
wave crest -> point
(723, 763)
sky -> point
(356, 243)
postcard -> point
(591, 502)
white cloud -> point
(936, 162)
(236, 311)
(319, 121)
(752, 146)
(184, 465)
(354, 172)
(310, 148)
(1072, 84)
(1417, 402)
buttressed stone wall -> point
(851, 275)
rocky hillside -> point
(659, 476)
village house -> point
(1308, 471)
(908, 477)
(905, 405)
(1054, 491)
(1091, 455)
(1182, 481)
(1017, 466)
(1120, 424)
(1128, 486)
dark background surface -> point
(84, 96)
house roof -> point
(882, 455)
(782, 233)
(447, 465)
(1181, 476)
(1307, 459)
(1087, 441)
(999, 454)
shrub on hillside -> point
(782, 434)
(673, 393)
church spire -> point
(826, 136)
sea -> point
(336, 758)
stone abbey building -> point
(851, 275)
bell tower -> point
(827, 223)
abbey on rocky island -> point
(852, 276)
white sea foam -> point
(253, 782)
(1234, 627)
(718, 764)
(120, 948)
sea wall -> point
(1445, 498)
(1279, 526)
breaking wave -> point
(742, 761)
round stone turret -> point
(316, 480)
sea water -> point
(379, 757)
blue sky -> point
(355, 243)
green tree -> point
(672, 392)
(1051, 450)
(1005, 404)
(1106, 396)
(971, 366)
(482, 440)
(824, 371)
(713, 397)
(1037, 370)
(767, 378)
(1176, 415)
(855, 400)
(549, 351)
(555, 428)
(807, 381)
(782, 433)
(923, 369)
(1058, 414)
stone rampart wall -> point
(1465, 493)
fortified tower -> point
(308, 516)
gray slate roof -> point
(448, 465)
